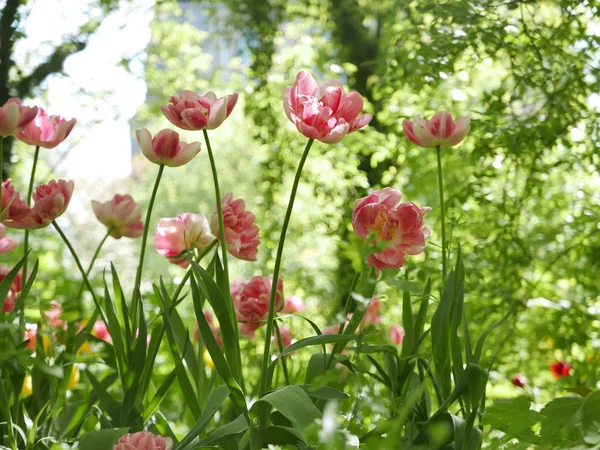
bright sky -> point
(100, 93)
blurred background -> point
(523, 190)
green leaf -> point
(114, 328)
(101, 439)
(559, 415)
(159, 396)
(122, 308)
(294, 403)
(513, 417)
(590, 412)
(221, 434)
(214, 402)
(324, 393)
(112, 406)
(481, 341)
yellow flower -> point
(27, 389)
(85, 348)
(74, 377)
(208, 360)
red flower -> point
(519, 380)
(560, 369)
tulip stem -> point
(29, 193)
(138, 275)
(80, 267)
(228, 300)
(281, 349)
(96, 253)
(443, 210)
(269, 332)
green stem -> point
(26, 239)
(80, 267)
(189, 271)
(443, 210)
(96, 253)
(238, 364)
(281, 349)
(270, 317)
(138, 275)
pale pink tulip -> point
(46, 131)
(7, 245)
(191, 111)
(323, 112)
(53, 314)
(399, 224)
(372, 316)
(440, 130)
(286, 337)
(251, 302)
(51, 201)
(241, 234)
(144, 440)
(213, 327)
(520, 380)
(166, 148)
(14, 116)
(396, 334)
(12, 208)
(175, 236)
(13, 291)
(100, 330)
(293, 304)
(121, 213)
(31, 336)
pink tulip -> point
(144, 440)
(31, 336)
(440, 130)
(13, 291)
(14, 116)
(520, 380)
(53, 314)
(166, 148)
(241, 235)
(293, 304)
(175, 236)
(323, 112)
(251, 302)
(372, 315)
(399, 224)
(397, 334)
(286, 337)
(51, 201)
(12, 208)
(100, 330)
(7, 245)
(122, 214)
(190, 111)
(334, 329)
(46, 131)
(213, 327)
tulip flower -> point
(398, 224)
(293, 304)
(397, 334)
(14, 117)
(372, 316)
(53, 315)
(121, 214)
(13, 291)
(31, 336)
(286, 337)
(7, 245)
(12, 208)
(143, 440)
(100, 330)
(251, 302)
(440, 130)
(175, 236)
(166, 148)
(73, 377)
(323, 111)
(241, 234)
(560, 369)
(191, 111)
(27, 388)
(51, 201)
(46, 131)
(519, 380)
